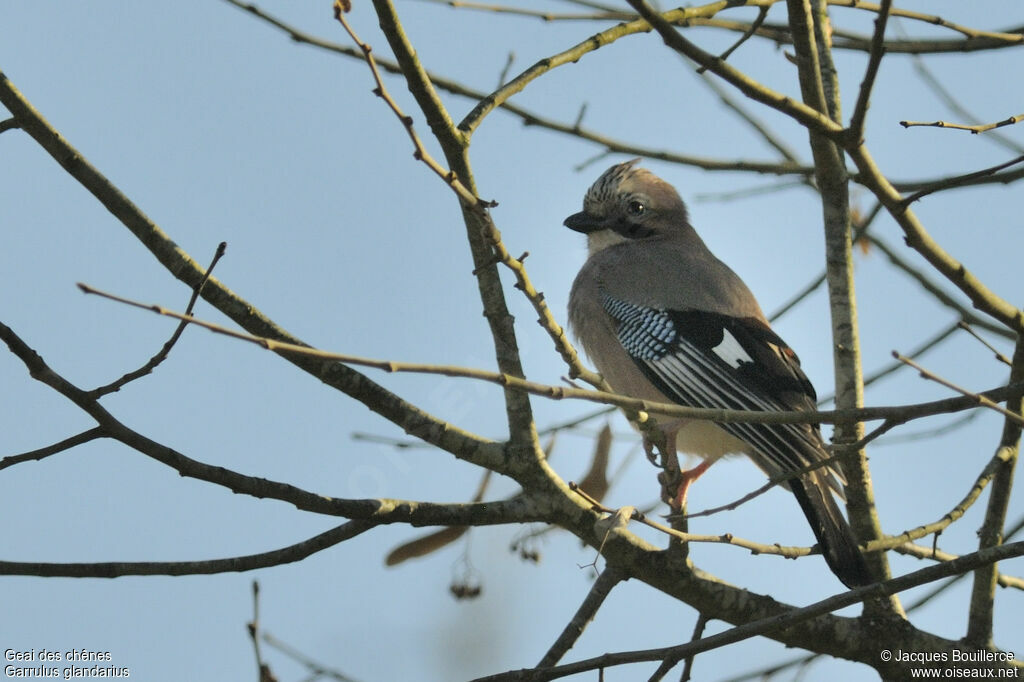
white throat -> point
(602, 239)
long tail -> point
(835, 537)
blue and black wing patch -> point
(703, 359)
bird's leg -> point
(685, 479)
(675, 482)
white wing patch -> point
(731, 351)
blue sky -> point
(221, 129)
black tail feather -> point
(835, 537)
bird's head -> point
(628, 204)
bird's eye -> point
(636, 208)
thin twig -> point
(956, 107)
(633, 514)
(950, 517)
(485, 454)
(980, 613)
(762, 14)
(769, 671)
(803, 114)
(938, 590)
(982, 400)
(409, 443)
(508, 66)
(975, 129)
(917, 237)
(316, 669)
(754, 191)
(974, 39)
(420, 153)
(698, 632)
(155, 361)
(762, 129)
(547, 321)
(861, 229)
(932, 433)
(932, 19)
(936, 291)
(599, 591)
(867, 83)
(970, 330)
(254, 634)
(906, 412)
(917, 551)
(599, 15)
(117, 569)
(171, 257)
(959, 181)
(66, 444)
(894, 366)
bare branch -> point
(318, 670)
(531, 118)
(966, 563)
(920, 350)
(919, 552)
(867, 83)
(935, 592)
(762, 129)
(1002, 178)
(762, 14)
(982, 400)
(698, 632)
(118, 569)
(975, 129)
(995, 351)
(947, 519)
(454, 143)
(803, 114)
(819, 88)
(983, 592)
(378, 510)
(960, 180)
(42, 453)
(937, 292)
(245, 314)
(254, 634)
(547, 321)
(1009, 37)
(625, 514)
(918, 238)
(602, 587)
(974, 40)
(599, 15)
(956, 107)
(632, 405)
(405, 443)
(155, 361)
(420, 153)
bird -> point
(664, 320)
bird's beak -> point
(584, 222)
